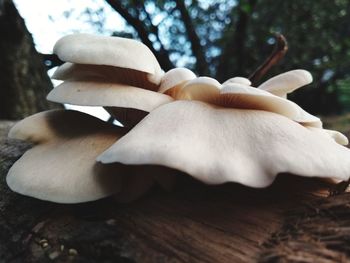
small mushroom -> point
(175, 79)
(238, 80)
(245, 97)
(241, 96)
(287, 82)
(202, 88)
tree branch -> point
(235, 46)
(197, 49)
(162, 57)
(154, 30)
(277, 54)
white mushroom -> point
(238, 80)
(287, 82)
(202, 88)
(109, 51)
(61, 166)
(216, 133)
(175, 79)
(218, 145)
(245, 97)
(93, 93)
(102, 73)
(110, 72)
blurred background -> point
(221, 39)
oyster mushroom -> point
(287, 82)
(217, 145)
(109, 51)
(217, 133)
(111, 72)
(61, 166)
(109, 95)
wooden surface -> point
(292, 221)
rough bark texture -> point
(291, 221)
(23, 79)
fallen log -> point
(293, 220)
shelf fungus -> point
(174, 122)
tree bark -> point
(291, 221)
(23, 79)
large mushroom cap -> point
(61, 166)
(218, 145)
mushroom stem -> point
(277, 54)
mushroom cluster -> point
(173, 121)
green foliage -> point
(318, 33)
(342, 86)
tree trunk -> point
(292, 221)
(23, 79)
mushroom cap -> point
(61, 166)
(109, 51)
(235, 95)
(202, 88)
(229, 145)
(93, 93)
(335, 135)
(246, 97)
(175, 77)
(84, 72)
(238, 80)
(287, 82)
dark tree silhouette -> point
(23, 79)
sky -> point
(48, 21)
